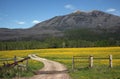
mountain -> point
(96, 21)
(79, 19)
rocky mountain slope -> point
(96, 20)
(79, 19)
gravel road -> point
(51, 70)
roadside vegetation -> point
(16, 71)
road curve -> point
(51, 70)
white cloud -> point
(111, 10)
(35, 21)
(21, 23)
(69, 6)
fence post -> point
(15, 59)
(26, 64)
(110, 61)
(73, 63)
(91, 61)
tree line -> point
(71, 39)
(54, 43)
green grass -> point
(99, 72)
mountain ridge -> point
(56, 26)
(80, 19)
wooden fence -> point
(16, 61)
(91, 61)
(13, 66)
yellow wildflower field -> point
(65, 55)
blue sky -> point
(26, 13)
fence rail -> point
(4, 59)
(91, 60)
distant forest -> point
(55, 43)
(72, 39)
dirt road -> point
(51, 70)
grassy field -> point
(64, 55)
